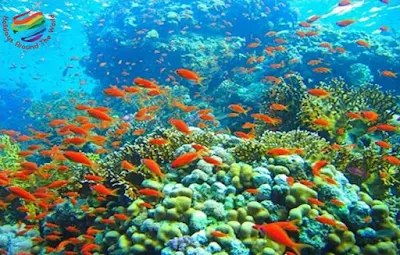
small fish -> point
(279, 235)
(189, 75)
(387, 73)
(383, 144)
(153, 167)
(326, 220)
(185, 159)
(392, 160)
(344, 3)
(345, 23)
(318, 92)
(101, 189)
(127, 165)
(218, 234)
(370, 115)
(337, 202)
(318, 166)
(158, 141)
(78, 157)
(239, 108)
(386, 127)
(252, 191)
(150, 192)
(180, 125)
(316, 201)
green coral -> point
(344, 99)
(290, 93)
(310, 144)
(9, 158)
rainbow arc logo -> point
(29, 26)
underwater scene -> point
(202, 127)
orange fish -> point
(78, 157)
(248, 125)
(344, 3)
(279, 152)
(114, 91)
(212, 161)
(145, 83)
(185, 159)
(337, 202)
(370, 116)
(127, 165)
(326, 220)
(243, 135)
(386, 127)
(322, 70)
(318, 92)
(315, 201)
(57, 184)
(238, 108)
(363, 43)
(388, 74)
(21, 193)
(279, 235)
(189, 75)
(278, 107)
(158, 141)
(383, 144)
(321, 122)
(218, 234)
(180, 125)
(150, 192)
(392, 160)
(345, 23)
(121, 216)
(317, 167)
(252, 191)
(29, 166)
(95, 178)
(101, 189)
(353, 115)
(153, 167)
(99, 115)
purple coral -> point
(182, 243)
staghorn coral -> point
(311, 144)
(9, 154)
(290, 93)
(345, 98)
(129, 181)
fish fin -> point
(298, 246)
(115, 192)
(200, 81)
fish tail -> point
(299, 246)
(199, 81)
(115, 192)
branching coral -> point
(310, 144)
(9, 154)
(344, 99)
(290, 93)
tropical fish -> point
(318, 92)
(185, 159)
(345, 23)
(150, 192)
(78, 157)
(189, 75)
(180, 125)
(153, 167)
(277, 234)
